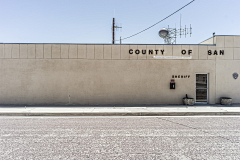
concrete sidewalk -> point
(151, 110)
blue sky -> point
(90, 21)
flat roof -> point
(122, 43)
(107, 44)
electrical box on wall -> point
(172, 84)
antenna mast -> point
(113, 31)
(170, 34)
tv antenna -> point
(113, 30)
(170, 34)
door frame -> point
(200, 88)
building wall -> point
(226, 86)
(108, 74)
(211, 40)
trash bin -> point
(225, 101)
(188, 101)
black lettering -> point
(143, 51)
(215, 52)
(189, 52)
(172, 76)
(137, 51)
(150, 52)
(181, 76)
(209, 52)
(183, 52)
(162, 51)
(188, 76)
(178, 76)
(156, 51)
(130, 51)
(221, 52)
(175, 76)
(185, 76)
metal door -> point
(201, 88)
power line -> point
(158, 22)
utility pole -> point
(113, 31)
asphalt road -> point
(120, 138)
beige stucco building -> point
(102, 74)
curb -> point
(124, 114)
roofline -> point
(217, 35)
(227, 35)
(207, 39)
(121, 44)
(108, 44)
